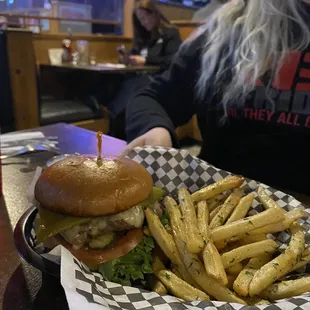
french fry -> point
(287, 289)
(228, 206)
(289, 218)
(175, 270)
(194, 239)
(211, 257)
(246, 225)
(162, 237)
(180, 288)
(216, 201)
(235, 269)
(219, 187)
(166, 243)
(221, 246)
(247, 240)
(305, 259)
(242, 208)
(231, 279)
(174, 212)
(203, 220)
(251, 238)
(214, 212)
(248, 251)
(209, 285)
(156, 285)
(193, 264)
(161, 255)
(213, 263)
(281, 265)
(196, 269)
(259, 234)
(242, 282)
(157, 264)
(266, 201)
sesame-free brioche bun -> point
(78, 186)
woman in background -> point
(155, 43)
(246, 74)
(155, 40)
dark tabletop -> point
(22, 286)
(101, 68)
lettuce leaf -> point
(131, 267)
(165, 218)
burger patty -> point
(81, 235)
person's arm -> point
(125, 58)
(168, 102)
(172, 44)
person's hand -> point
(155, 137)
(136, 60)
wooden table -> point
(22, 286)
(100, 69)
(77, 81)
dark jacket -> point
(162, 48)
(256, 141)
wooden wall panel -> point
(102, 47)
(128, 9)
(23, 78)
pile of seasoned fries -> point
(213, 251)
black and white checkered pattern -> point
(172, 169)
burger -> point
(94, 207)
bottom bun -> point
(96, 257)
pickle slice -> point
(102, 241)
(48, 224)
(156, 194)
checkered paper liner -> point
(171, 169)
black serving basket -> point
(25, 238)
(25, 242)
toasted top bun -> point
(78, 186)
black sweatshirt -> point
(162, 48)
(256, 141)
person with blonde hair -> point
(208, 10)
(246, 74)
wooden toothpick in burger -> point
(99, 145)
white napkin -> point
(110, 65)
(7, 139)
(71, 284)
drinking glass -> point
(83, 50)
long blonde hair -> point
(246, 39)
